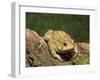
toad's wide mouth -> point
(65, 51)
(67, 55)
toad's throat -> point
(67, 55)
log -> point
(83, 47)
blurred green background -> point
(75, 25)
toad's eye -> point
(65, 44)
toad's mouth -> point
(65, 51)
(67, 55)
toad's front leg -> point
(76, 49)
(54, 54)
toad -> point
(59, 42)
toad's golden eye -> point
(65, 44)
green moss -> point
(81, 58)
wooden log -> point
(83, 47)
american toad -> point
(59, 42)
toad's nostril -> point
(65, 44)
